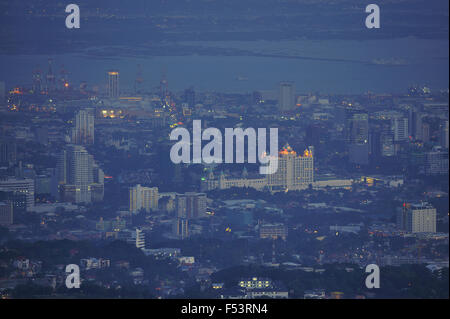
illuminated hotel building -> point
(295, 172)
(145, 198)
(113, 84)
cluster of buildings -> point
(358, 152)
(295, 172)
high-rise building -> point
(417, 218)
(181, 228)
(436, 161)
(286, 99)
(145, 198)
(2, 93)
(190, 205)
(425, 132)
(83, 131)
(140, 239)
(50, 77)
(19, 190)
(418, 126)
(400, 129)
(415, 124)
(444, 134)
(294, 171)
(273, 231)
(6, 213)
(8, 151)
(113, 84)
(382, 143)
(79, 176)
(357, 134)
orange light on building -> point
(66, 85)
(287, 151)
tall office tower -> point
(37, 81)
(415, 124)
(357, 131)
(6, 213)
(286, 99)
(41, 135)
(140, 239)
(387, 144)
(294, 171)
(181, 228)
(425, 132)
(83, 132)
(79, 173)
(98, 185)
(400, 129)
(18, 190)
(417, 218)
(164, 88)
(79, 176)
(113, 84)
(8, 151)
(139, 80)
(190, 205)
(444, 134)
(50, 77)
(145, 198)
(61, 169)
(64, 78)
(436, 161)
(2, 93)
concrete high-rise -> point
(400, 129)
(181, 228)
(2, 93)
(83, 131)
(190, 205)
(357, 135)
(444, 134)
(286, 99)
(79, 176)
(145, 198)
(6, 213)
(140, 239)
(417, 218)
(8, 151)
(17, 188)
(113, 84)
(294, 171)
